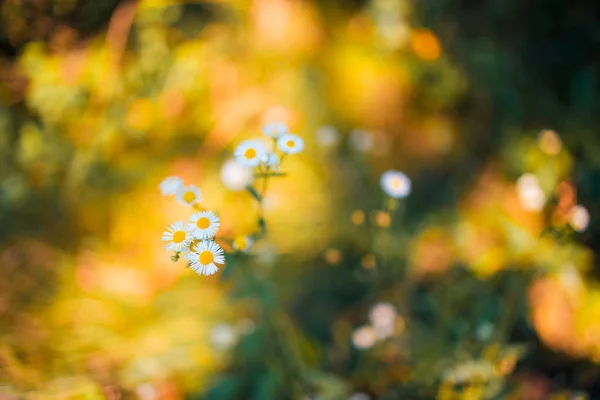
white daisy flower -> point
(169, 186)
(250, 152)
(205, 256)
(188, 195)
(242, 243)
(290, 144)
(327, 136)
(178, 236)
(395, 184)
(271, 160)
(275, 129)
(204, 225)
(579, 218)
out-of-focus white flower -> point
(271, 160)
(146, 391)
(383, 331)
(250, 152)
(360, 140)
(242, 243)
(327, 136)
(363, 338)
(531, 195)
(275, 129)
(290, 144)
(395, 184)
(235, 176)
(169, 186)
(579, 218)
(383, 314)
(178, 236)
(383, 318)
(223, 336)
(188, 195)
(204, 257)
(204, 225)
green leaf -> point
(254, 193)
(227, 387)
(267, 387)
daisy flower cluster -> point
(194, 239)
(264, 160)
(253, 153)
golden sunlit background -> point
(470, 275)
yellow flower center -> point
(250, 154)
(396, 184)
(206, 257)
(203, 223)
(188, 197)
(289, 143)
(179, 236)
(240, 242)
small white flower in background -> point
(178, 236)
(363, 338)
(579, 218)
(383, 331)
(290, 144)
(383, 318)
(250, 152)
(395, 184)
(327, 136)
(204, 257)
(271, 160)
(146, 391)
(204, 225)
(188, 195)
(531, 195)
(275, 129)
(359, 396)
(360, 140)
(236, 176)
(242, 243)
(169, 186)
(383, 314)
(223, 336)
